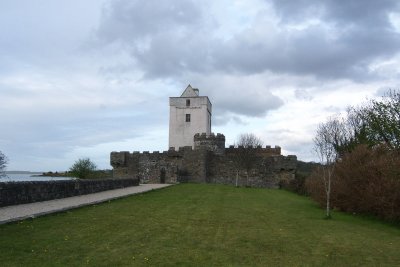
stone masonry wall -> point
(14, 193)
(204, 166)
(151, 167)
(267, 172)
(212, 142)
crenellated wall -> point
(208, 162)
(152, 167)
(267, 151)
(212, 142)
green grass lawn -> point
(201, 225)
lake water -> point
(21, 177)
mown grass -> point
(201, 225)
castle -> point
(197, 155)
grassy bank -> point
(201, 225)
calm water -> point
(20, 177)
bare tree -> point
(3, 164)
(245, 154)
(324, 144)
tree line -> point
(360, 160)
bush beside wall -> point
(365, 181)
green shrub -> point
(83, 168)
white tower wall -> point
(181, 131)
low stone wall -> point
(13, 193)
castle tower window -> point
(187, 117)
(188, 102)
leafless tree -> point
(324, 145)
(3, 164)
(245, 154)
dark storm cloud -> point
(171, 39)
(311, 52)
(359, 32)
(366, 12)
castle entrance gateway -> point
(162, 176)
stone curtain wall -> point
(148, 166)
(204, 166)
(13, 193)
(268, 171)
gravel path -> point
(32, 210)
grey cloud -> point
(309, 52)
(359, 32)
(370, 13)
(249, 103)
(135, 20)
(220, 120)
(164, 38)
(172, 55)
(170, 40)
(235, 96)
(366, 12)
(163, 43)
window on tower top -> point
(188, 102)
(187, 117)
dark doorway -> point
(162, 176)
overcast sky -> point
(84, 78)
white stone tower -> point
(188, 114)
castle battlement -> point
(119, 158)
(211, 136)
(210, 142)
(268, 150)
